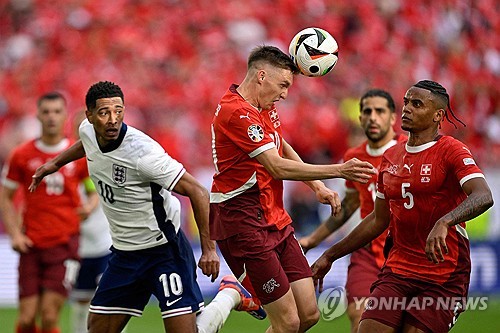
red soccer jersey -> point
(422, 184)
(50, 215)
(239, 133)
(367, 191)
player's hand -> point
(210, 264)
(319, 269)
(329, 197)
(21, 243)
(84, 212)
(42, 171)
(305, 244)
(357, 170)
(436, 242)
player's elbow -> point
(488, 202)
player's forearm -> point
(11, 219)
(200, 204)
(73, 153)
(364, 233)
(294, 170)
(474, 205)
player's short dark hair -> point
(53, 95)
(378, 93)
(273, 56)
(442, 95)
(102, 89)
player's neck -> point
(380, 143)
(420, 138)
(245, 91)
(51, 140)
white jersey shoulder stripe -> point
(262, 149)
(471, 176)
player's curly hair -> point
(273, 56)
(439, 91)
(378, 93)
(102, 89)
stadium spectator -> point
(47, 238)
(247, 217)
(427, 189)
(173, 48)
(150, 253)
(377, 117)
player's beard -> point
(376, 137)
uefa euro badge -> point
(255, 133)
(119, 174)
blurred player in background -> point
(95, 241)
(377, 118)
(47, 237)
(248, 220)
(427, 189)
(134, 177)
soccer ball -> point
(314, 51)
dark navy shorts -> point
(167, 271)
(90, 273)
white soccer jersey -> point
(134, 176)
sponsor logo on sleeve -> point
(469, 161)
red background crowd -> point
(174, 59)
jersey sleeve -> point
(380, 180)
(12, 172)
(158, 167)
(462, 163)
(247, 131)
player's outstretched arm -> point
(283, 168)
(188, 186)
(479, 199)
(333, 223)
(323, 193)
(72, 153)
(372, 226)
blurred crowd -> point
(175, 58)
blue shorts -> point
(167, 271)
(90, 273)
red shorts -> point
(430, 307)
(361, 274)
(267, 260)
(54, 268)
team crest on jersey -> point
(255, 132)
(119, 174)
(425, 170)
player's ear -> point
(393, 118)
(438, 115)
(88, 114)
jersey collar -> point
(380, 151)
(51, 149)
(116, 143)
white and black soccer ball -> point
(314, 51)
